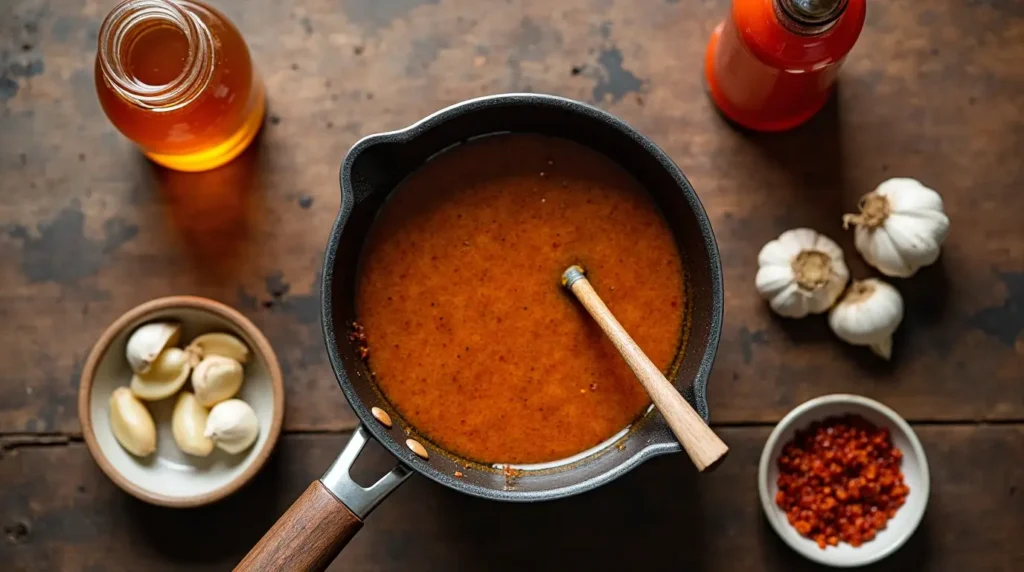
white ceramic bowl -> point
(169, 477)
(915, 474)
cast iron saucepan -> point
(314, 530)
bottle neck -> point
(809, 17)
(123, 27)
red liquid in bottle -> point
(772, 64)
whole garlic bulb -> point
(188, 426)
(868, 315)
(147, 341)
(801, 272)
(215, 379)
(900, 227)
(166, 375)
(232, 425)
(131, 423)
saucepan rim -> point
(413, 131)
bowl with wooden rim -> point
(913, 465)
(168, 476)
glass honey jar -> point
(175, 77)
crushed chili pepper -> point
(358, 336)
(511, 476)
(840, 481)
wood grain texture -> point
(59, 513)
(698, 440)
(933, 90)
(307, 537)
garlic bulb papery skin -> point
(218, 344)
(215, 379)
(147, 341)
(167, 374)
(131, 423)
(900, 227)
(188, 426)
(232, 425)
(867, 315)
(801, 272)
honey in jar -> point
(175, 77)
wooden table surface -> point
(933, 90)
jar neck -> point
(125, 24)
(809, 17)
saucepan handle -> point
(311, 534)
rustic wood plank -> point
(60, 513)
(933, 90)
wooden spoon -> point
(703, 446)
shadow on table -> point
(218, 533)
(912, 557)
(810, 158)
(213, 212)
(650, 518)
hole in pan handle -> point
(312, 532)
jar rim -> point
(125, 22)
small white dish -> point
(170, 477)
(915, 473)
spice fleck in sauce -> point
(471, 336)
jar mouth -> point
(124, 25)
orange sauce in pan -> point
(471, 336)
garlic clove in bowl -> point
(801, 272)
(131, 423)
(148, 341)
(218, 344)
(900, 227)
(867, 315)
(215, 379)
(232, 425)
(167, 374)
(188, 426)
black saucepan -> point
(314, 530)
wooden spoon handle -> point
(703, 446)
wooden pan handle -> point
(308, 537)
(703, 446)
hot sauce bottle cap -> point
(809, 16)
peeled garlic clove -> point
(147, 341)
(215, 379)
(188, 425)
(218, 344)
(232, 425)
(900, 227)
(867, 315)
(131, 423)
(165, 377)
(801, 272)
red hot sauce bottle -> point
(772, 64)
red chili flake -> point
(511, 475)
(840, 481)
(458, 474)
